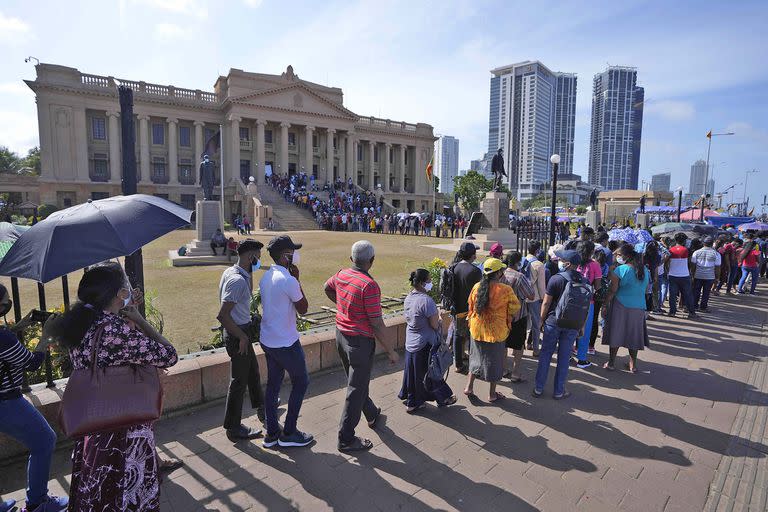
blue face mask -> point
(561, 266)
(256, 266)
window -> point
(314, 170)
(335, 141)
(98, 128)
(291, 139)
(405, 158)
(391, 155)
(100, 171)
(314, 141)
(99, 195)
(188, 201)
(359, 152)
(186, 175)
(158, 134)
(158, 170)
(245, 170)
(245, 134)
(185, 136)
(375, 153)
(268, 136)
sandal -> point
(358, 444)
(609, 367)
(470, 394)
(412, 410)
(450, 401)
(517, 380)
(628, 368)
(499, 396)
(372, 423)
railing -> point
(161, 179)
(153, 89)
(246, 145)
(386, 123)
(536, 228)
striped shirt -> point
(358, 301)
(14, 360)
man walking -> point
(534, 270)
(235, 290)
(707, 261)
(281, 298)
(465, 276)
(359, 323)
(680, 277)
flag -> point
(751, 212)
(212, 145)
(429, 168)
(709, 134)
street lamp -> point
(709, 147)
(613, 209)
(679, 202)
(746, 177)
(704, 198)
(555, 159)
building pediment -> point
(295, 97)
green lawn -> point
(188, 296)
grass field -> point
(188, 296)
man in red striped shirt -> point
(359, 323)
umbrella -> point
(695, 214)
(89, 233)
(753, 226)
(671, 227)
(625, 235)
(9, 233)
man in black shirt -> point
(466, 275)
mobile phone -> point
(40, 316)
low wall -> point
(204, 377)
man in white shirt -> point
(707, 261)
(281, 298)
(537, 279)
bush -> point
(45, 210)
(435, 268)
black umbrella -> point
(88, 233)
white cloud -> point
(13, 31)
(194, 8)
(170, 32)
(18, 130)
(671, 110)
(253, 3)
(747, 131)
(14, 88)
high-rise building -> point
(698, 178)
(532, 113)
(446, 164)
(661, 182)
(617, 124)
(476, 165)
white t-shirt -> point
(279, 291)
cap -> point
(568, 255)
(468, 248)
(282, 243)
(497, 250)
(708, 240)
(552, 250)
(492, 265)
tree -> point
(471, 187)
(9, 161)
(436, 180)
(32, 160)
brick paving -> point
(686, 433)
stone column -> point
(81, 127)
(351, 169)
(199, 142)
(329, 176)
(173, 151)
(371, 181)
(144, 148)
(387, 169)
(403, 149)
(234, 151)
(115, 164)
(260, 158)
(342, 149)
(309, 157)
(284, 147)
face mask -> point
(296, 258)
(5, 308)
(620, 260)
(561, 266)
(127, 300)
(427, 287)
(255, 265)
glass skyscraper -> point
(446, 164)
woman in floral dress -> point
(117, 470)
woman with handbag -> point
(421, 335)
(114, 467)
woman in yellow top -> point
(491, 307)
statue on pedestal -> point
(207, 178)
(593, 199)
(497, 168)
(642, 204)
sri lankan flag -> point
(429, 168)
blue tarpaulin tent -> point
(722, 221)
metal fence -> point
(532, 228)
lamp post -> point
(613, 209)
(703, 205)
(679, 202)
(745, 202)
(709, 147)
(555, 159)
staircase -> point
(287, 216)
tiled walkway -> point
(650, 441)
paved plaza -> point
(686, 433)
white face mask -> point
(128, 299)
(561, 266)
(427, 287)
(620, 260)
(296, 258)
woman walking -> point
(749, 261)
(523, 289)
(492, 305)
(624, 308)
(115, 470)
(592, 273)
(421, 335)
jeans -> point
(663, 289)
(244, 375)
(701, 290)
(281, 360)
(534, 323)
(747, 271)
(682, 286)
(24, 423)
(733, 278)
(595, 324)
(356, 354)
(557, 340)
(582, 344)
(460, 337)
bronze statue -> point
(207, 178)
(593, 199)
(497, 168)
(642, 204)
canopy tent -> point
(658, 209)
(753, 226)
(695, 214)
(723, 220)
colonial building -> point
(277, 124)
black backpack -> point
(525, 268)
(447, 278)
(573, 307)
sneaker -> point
(270, 441)
(7, 505)
(583, 364)
(591, 351)
(296, 438)
(51, 504)
(243, 432)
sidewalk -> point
(686, 433)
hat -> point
(468, 248)
(552, 250)
(492, 265)
(497, 250)
(569, 256)
(708, 240)
(282, 243)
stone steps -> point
(287, 216)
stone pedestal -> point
(495, 208)
(593, 219)
(642, 220)
(209, 218)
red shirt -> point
(751, 259)
(358, 301)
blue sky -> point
(702, 63)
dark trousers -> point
(281, 360)
(460, 338)
(223, 246)
(244, 370)
(701, 289)
(680, 286)
(595, 324)
(356, 354)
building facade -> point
(269, 124)
(661, 182)
(446, 164)
(616, 132)
(532, 113)
(571, 188)
(698, 177)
